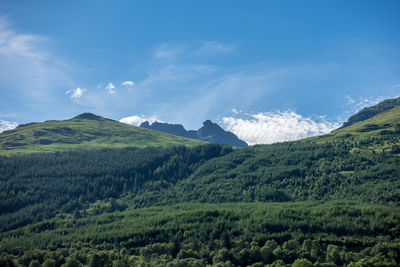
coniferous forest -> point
(331, 200)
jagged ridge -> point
(210, 132)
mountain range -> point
(209, 132)
(90, 191)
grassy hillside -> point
(86, 131)
(370, 112)
(384, 123)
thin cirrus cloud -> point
(137, 120)
(172, 51)
(28, 65)
(273, 127)
(213, 47)
(76, 93)
(168, 51)
(7, 125)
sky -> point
(269, 71)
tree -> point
(302, 263)
(332, 254)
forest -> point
(331, 200)
(229, 234)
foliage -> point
(236, 234)
(44, 185)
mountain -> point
(210, 132)
(369, 112)
(331, 200)
(85, 131)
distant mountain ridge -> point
(210, 132)
(369, 112)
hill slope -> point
(210, 132)
(369, 112)
(86, 131)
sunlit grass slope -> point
(86, 131)
(380, 126)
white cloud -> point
(7, 125)
(137, 120)
(77, 93)
(111, 88)
(213, 47)
(272, 127)
(128, 83)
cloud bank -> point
(137, 120)
(7, 125)
(273, 127)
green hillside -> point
(331, 200)
(372, 111)
(86, 131)
(384, 123)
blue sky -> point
(266, 70)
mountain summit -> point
(84, 132)
(210, 132)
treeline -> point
(39, 186)
(252, 234)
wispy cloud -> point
(111, 89)
(28, 66)
(349, 99)
(137, 120)
(7, 125)
(395, 86)
(272, 127)
(213, 47)
(76, 93)
(168, 51)
(175, 50)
